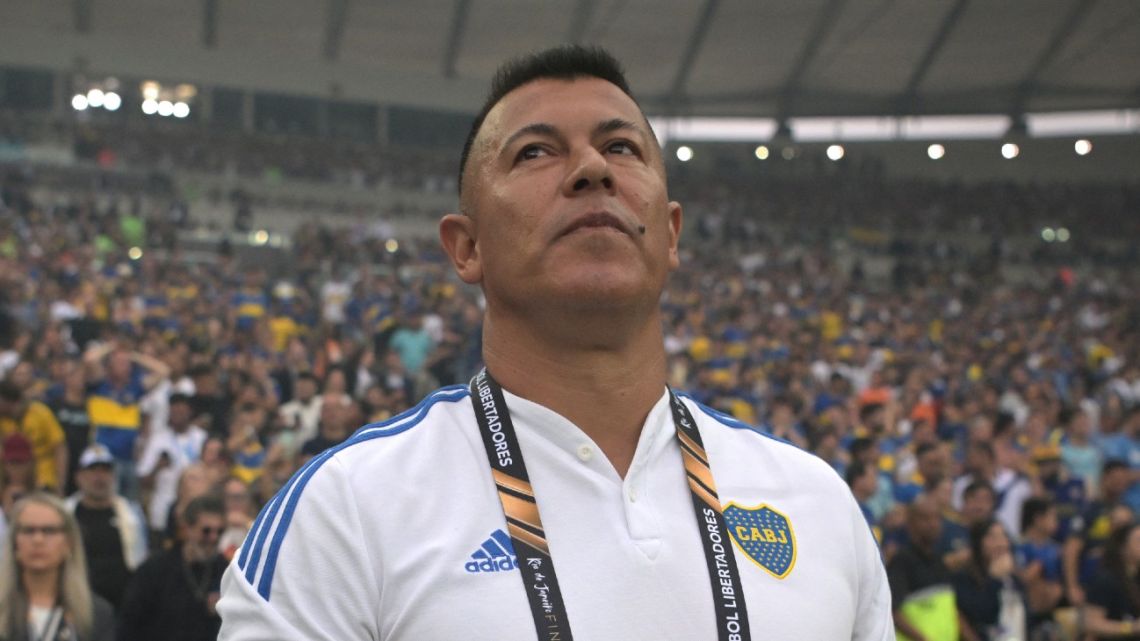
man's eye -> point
(622, 147)
(530, 152)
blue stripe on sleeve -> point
(369, 432)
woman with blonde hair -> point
(44, 594)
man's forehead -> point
(545, 99)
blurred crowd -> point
(988, 425)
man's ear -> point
(457, 235)
(676, 221)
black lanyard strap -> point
(529, 539)
(523, 522)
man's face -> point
(201, 537)
(180, 415)
(97, 481)
(978, 506)
(562, 175)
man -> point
(116, 389)
(923, 601)
(431, 526)
(168, 452)
(35, 421)
(174, 595)
(1084, 546)
(302, 415)
(114, 531)
(1011, 489)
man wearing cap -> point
(36, 422)
(114, 531)
(18, 472)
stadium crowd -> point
(987, 424)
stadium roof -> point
(776, 59)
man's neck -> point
(605, 386)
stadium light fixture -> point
(762, 152)
(165, 108)
(112, 101)
(936, 151)
(1063, 235)
(150, 107)
(788, 153)
(1048, 235)
(79, 102)
(95, 98)
(684, 153)
(181, 110)
(835, 152)
(1083, 147)
(1010, 150)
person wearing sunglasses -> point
(44, 593)
(173, 594)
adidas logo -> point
(495, 555)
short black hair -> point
(1033, 508)
(978, 486)
(207, 504)
(855, 470)
(566, 62)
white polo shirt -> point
(397, 534)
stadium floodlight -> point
(165, 108)
(150, 106)
(79, 102)
(95, 98)
(788, 152)
(835, 152)
(1082, 147)
(684, 153)
(112, 101)
(1048, 235)
(762, 152)
(1063, 235)
(1009, 151)
(181, 110)
(936, 151)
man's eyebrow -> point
(617, 124)
(546, 129)
(536, 129)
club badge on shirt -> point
(764, 535)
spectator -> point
(1011, 489)
(168, 452)
(70, 408)
(35, 421)
(302, 414)
(863, 481)
(1081, 457)
(174, 594)
(990, 605)
(1113, 607)
(114, 530)
(1039, 560)
(1068, 493)
(116, 389)
(17, 475)
(1084, 547)
(44, 593)
(921, 596)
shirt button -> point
(632, 495)
(585, 453)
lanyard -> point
(535, 564)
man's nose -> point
(591, 170)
